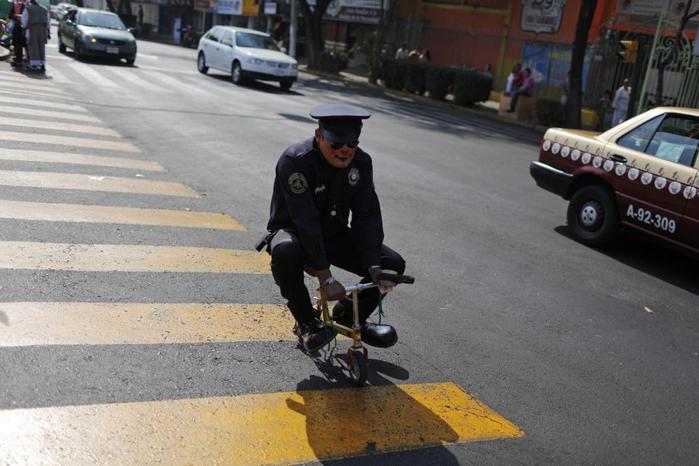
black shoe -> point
(315, 335)
(379, 335)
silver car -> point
(96, 33)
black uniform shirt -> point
(315, 200)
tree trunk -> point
(577, 60)
(314, 31)
(672, 53)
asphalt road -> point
(593, 354)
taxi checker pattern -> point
(620, 169)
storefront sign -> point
(542, 16)
(251, 7)
(651, 8)
(356, 11)
(270, 8)
(230, 7)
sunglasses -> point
(338, 145)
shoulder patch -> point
(298, 183)
(353, 176)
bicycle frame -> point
(354, 332)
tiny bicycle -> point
(357, 354)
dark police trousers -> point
(288, 268)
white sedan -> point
(245, 54)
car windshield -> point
(101, 20)
(255, 41)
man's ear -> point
(318, 136)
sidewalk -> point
(488, 109)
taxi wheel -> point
(592, 215)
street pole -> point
(292, 29)
(642, 95)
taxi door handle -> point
(618, 158)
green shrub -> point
(333, 60)
(471, 87)
(416, 77)
(394, 73)
(438, 81)
(549, 112)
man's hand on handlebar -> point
(333, 289)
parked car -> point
(640, 174)
(245, 54)
(96, 33)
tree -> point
(314, 30)
(671, 54)
(577, 60)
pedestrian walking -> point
(36, 22)
(620, 105)
(18, 40)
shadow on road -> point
(651, 257)
(342, 429)
(261, 86)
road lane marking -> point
(53, 212)
(78, 159)
(69, 127)
(92, 76)
(42, 103)
(175, 85)
(39, 138)
(47, 113)
(56, 75)
(129, 258)
(31, 93)
(81, 182)
(15, 86)
(267, 428)
(12, 76)
(130, 76)
(77, 323)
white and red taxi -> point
(640, 174)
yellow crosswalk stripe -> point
(129, 258)
(270, 428)
(5, 109)
(41, 103)
(53, 212)
(78, 159)
(70, 127)
(50, 180)
(72, 323)
(39, 138)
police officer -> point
(319, 182)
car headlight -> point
(255, 61)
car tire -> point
(61, 45)
(593, 216)
(286, 84)
(237, 74)
(77, 52)
(201, 63)
(131, 61)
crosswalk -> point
(281, 427)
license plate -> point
(112, 49)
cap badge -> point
(298, 183)
(353, 176)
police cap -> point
(340, 122)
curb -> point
(402, 95)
